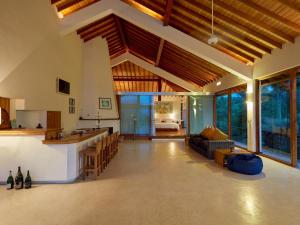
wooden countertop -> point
(22, 132)
(71, 139)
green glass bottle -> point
(10, 182)
(28, 180)
(19, 180)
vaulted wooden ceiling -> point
(123, 36)
(129, 77)
(66, 7)
(247, 29)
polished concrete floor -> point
(161, 182)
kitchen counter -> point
(71, 139)
(49, 161)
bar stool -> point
(92, 162)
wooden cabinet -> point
(53, 119)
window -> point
(239, 118)
(275, 120)
(222, 112)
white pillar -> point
(251, 129)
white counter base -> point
(46, 163)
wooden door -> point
(5, 104)
(53, 119)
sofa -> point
(206, 146)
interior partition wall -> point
(200, 113)
(136, 115)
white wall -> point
(97, 80)
(33, 54)
(31, 118)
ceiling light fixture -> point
(219, 83)
(213, 39)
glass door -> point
(222, 112)
(201, 113)
(136, 115)
(275, 120)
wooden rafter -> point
(55, 2)
(221, 31)
(261, 25)
(63, 6)
(285, 22)
(231, 24)
(159, 51)
(121, 32)
(168, 12)
(291, 4)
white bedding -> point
(171, 125)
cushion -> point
(218, 135)
(249, 164)
(207, 132)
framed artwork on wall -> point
(164, 107)
(71, 105)
(105, 103)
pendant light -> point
(213, 39)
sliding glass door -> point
(222, 112)
(136, 115)
(239, 118)
(275, 120)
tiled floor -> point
(161, 182)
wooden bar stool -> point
(92, 162)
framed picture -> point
(105, 103)
(71, 105)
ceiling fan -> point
(213, 39)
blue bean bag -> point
(249, 164)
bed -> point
(167, 125)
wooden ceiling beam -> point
(279, 19)
(141, 56)
(182, 71)
(220, 30)
(231, 24)
(100, 26)
(103, 31)
(115, 55)
(63, 6)
(56, 2)
(205, 74)
(133, 79)
(104, 21)
(291, 4)
(242, 51)
(121, 32)
(159, 51)
(175, 87)
(222, 45)
(168, 12)
(197, 62)
(261, 25)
